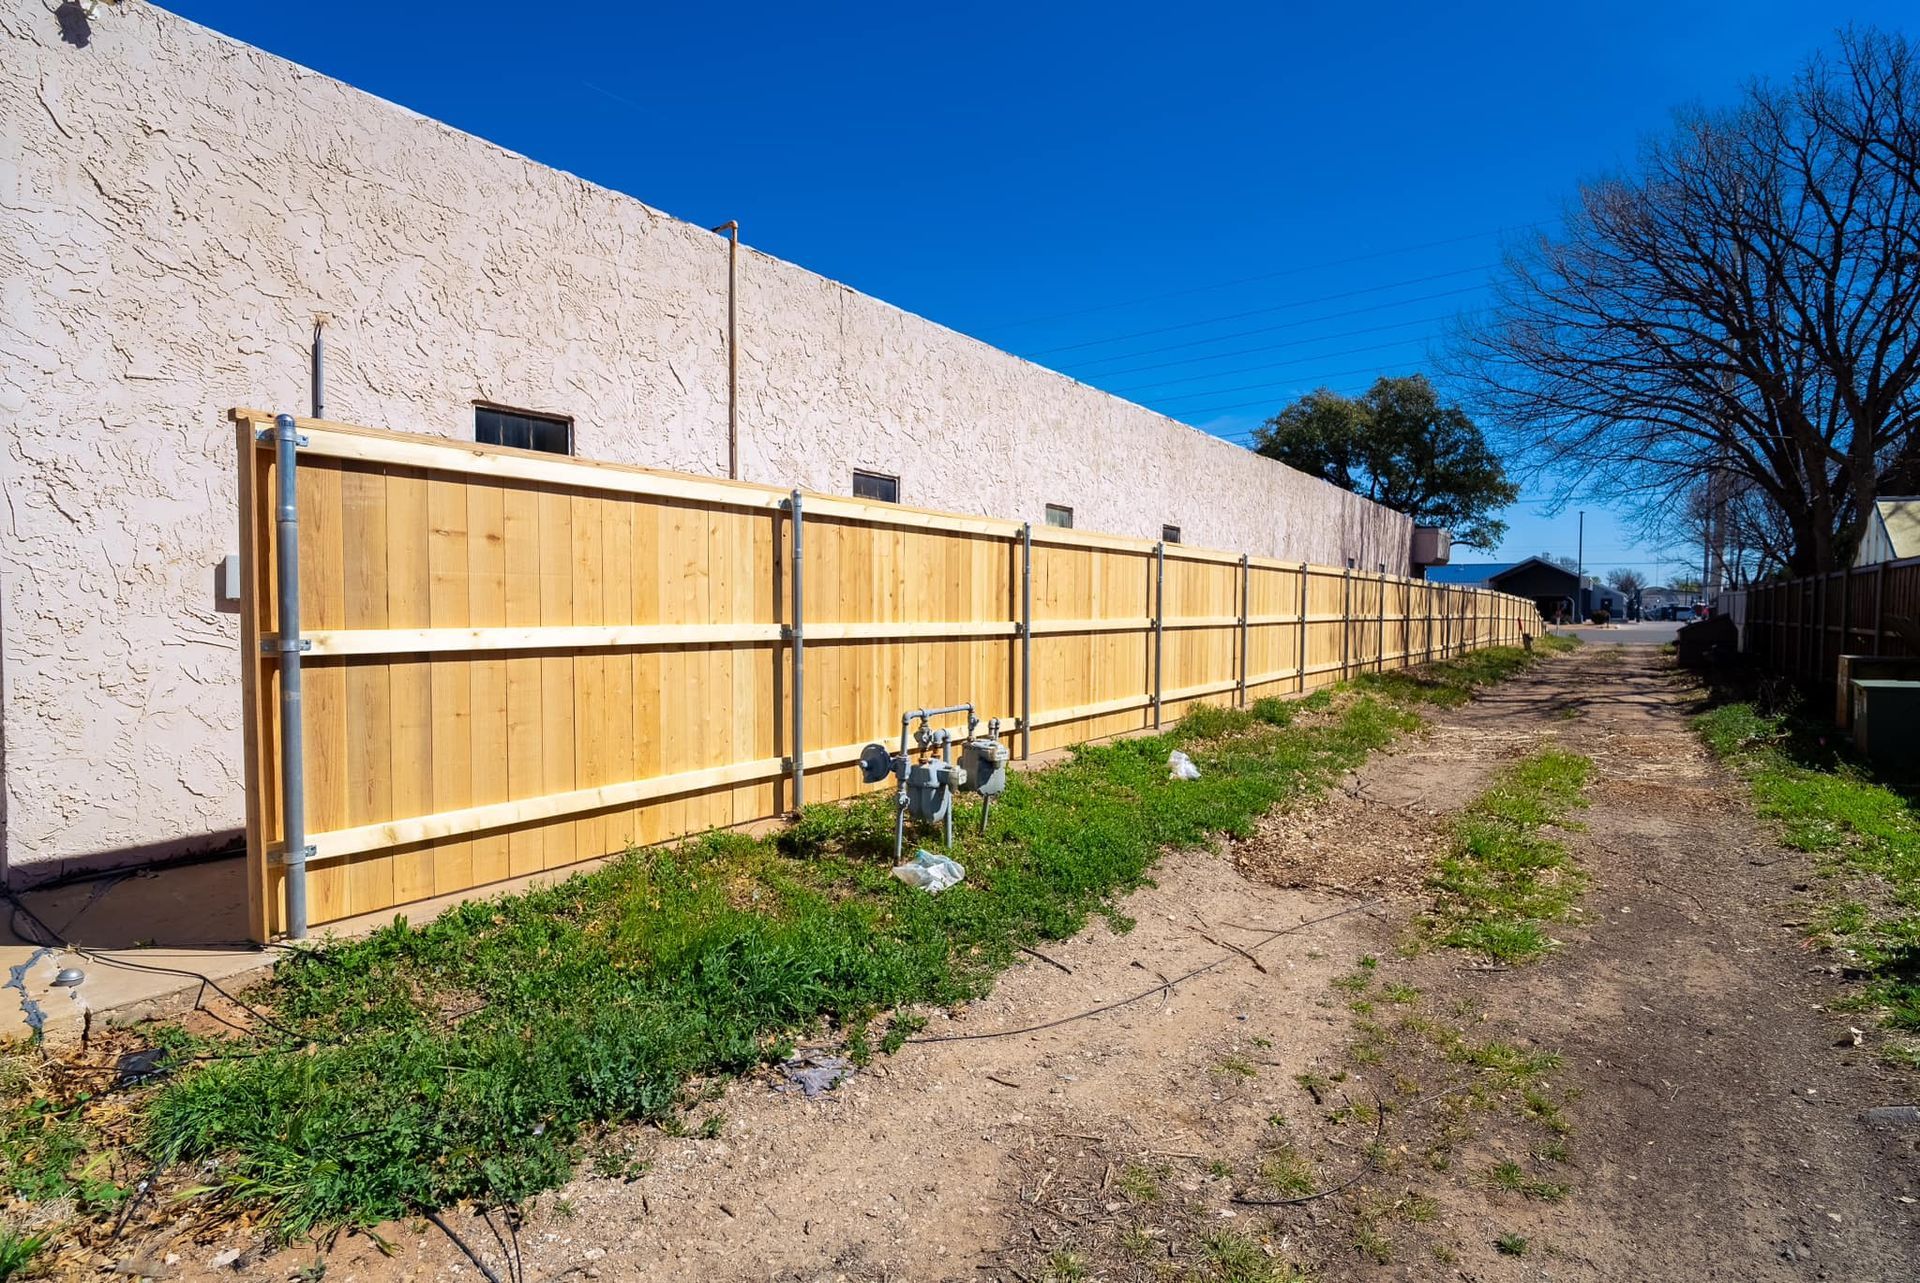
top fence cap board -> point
(505, 463)
(1060, 536)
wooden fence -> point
(514, 661)
(1801, 627)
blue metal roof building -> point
(1470, 574)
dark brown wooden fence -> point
(1800, 627)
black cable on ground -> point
(1366, 1169)
(1162, 987)
(461, 1243)
(52, 940)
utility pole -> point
(1580, 570)
(1706, 540)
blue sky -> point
(1208, 209)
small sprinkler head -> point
(69, 978)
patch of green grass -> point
(1510, 1245)
(1513, 1178)
(1234, 1258)
(1275, 711)
(1287, 1172)
(47, 1153)
(1418, 1209)
(1503, 880)
(1066, 1267)
(1513, 1064)
(1453, 684)
(1239, 1066)
(1140, 1183)
(1544, 1110)
(1823, 802)
(17, 1251)
(1371, 1243)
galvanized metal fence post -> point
(1245, 579)
(289, 644)
(798, 649)
(1380, 640)
(1346, 620)
(1302, 666)
(1426, 634)
(1159, 620)
(1026, 640)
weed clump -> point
(1503, 880)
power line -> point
(1267, 276)
(1305, 360)
(1263, 311)
(1243, 405)
(1265, 347)
(1262, 329)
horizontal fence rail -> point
(513, 662)
(1801, 627)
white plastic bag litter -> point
(1181, 767)
(931, 873)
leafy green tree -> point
(1399, 446)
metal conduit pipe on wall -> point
(1026, 640)
(732, 229)
(798, 640)
(1159, 620)
(293, 774)
(318, 393)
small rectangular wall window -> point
(1169, 534)
(875, 485)
(522, 429)
(1060, 515)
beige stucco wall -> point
(175, 206)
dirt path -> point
(1701, 1123)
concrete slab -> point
(150, 941)
(143, 940)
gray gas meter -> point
(929, 790)
(927, 787)
(985, 762)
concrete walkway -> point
(188, 921)
(149, 941)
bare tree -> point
(1744, 303)
(1627, 580)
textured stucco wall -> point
(175, 206)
